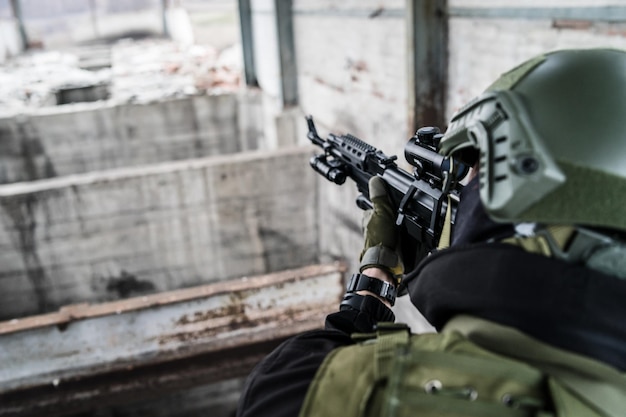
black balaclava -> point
(472, 224)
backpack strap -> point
(446, 231)
(556, 237)
(390, 339)
(346, 383)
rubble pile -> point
(155, 69)
(140, 71)
(32, 80)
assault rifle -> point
(420, 198)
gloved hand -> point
(381, 247)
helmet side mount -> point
(515, 168)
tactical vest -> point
(394, 373)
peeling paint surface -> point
(84, 341)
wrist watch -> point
(377, 286)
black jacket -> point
(277, 386)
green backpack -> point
(394, 373)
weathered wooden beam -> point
(110, 353)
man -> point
(529, 300)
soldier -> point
(528, 300)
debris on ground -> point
(139, 71)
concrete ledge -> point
(116, 234)
(79, 138)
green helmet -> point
(551, 140)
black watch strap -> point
(372, 306)
(379, 287)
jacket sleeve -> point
(278, 385)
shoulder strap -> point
(446, 231)
(390, 339)
(539, 244)
(345, 383)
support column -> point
(17, 14)
(286, 53)
(245, 24)
(427, 58)
(164, 7)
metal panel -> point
(97, 352)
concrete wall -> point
(481, 48)
(103, 236)
(350, 63)
(80, 138)
(351, 56)
(351, 67)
